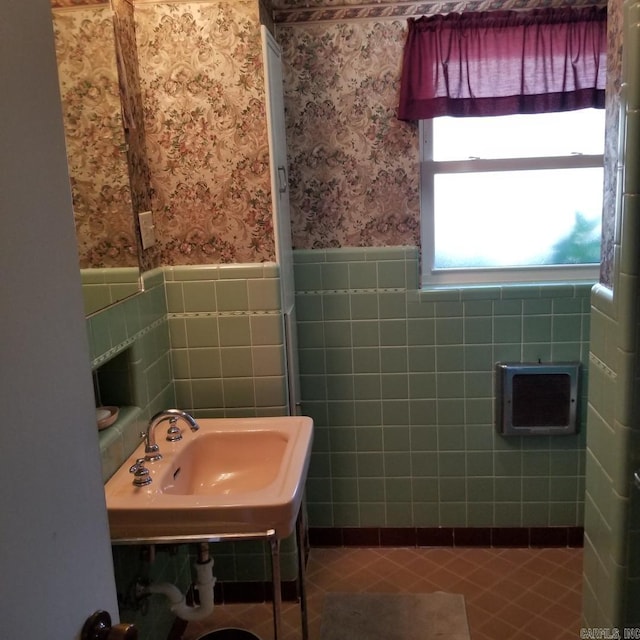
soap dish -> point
(106, 416)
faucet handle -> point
(152, 451)
(174, 434)
(141, 475)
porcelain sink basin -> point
(233, 475)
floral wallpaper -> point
(354, 170)
(94, 133)
(354, 166)
(132, 113)
(205, 123)
(614, 79)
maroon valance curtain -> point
(504, 62)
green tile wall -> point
(399, 383)
(227, 346)
(129, 347)
(612, 512)
(103, 287)
(206, 339)
(152, 616)
(611, 593)
(227, 354)
(130, 352)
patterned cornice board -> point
(396, 10)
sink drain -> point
(229, 634)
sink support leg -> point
(277, 587)
(301, 575)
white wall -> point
(55, 558)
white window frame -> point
(489, 275)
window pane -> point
(519, 136)
(518, 218)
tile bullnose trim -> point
(121, 346)
(495, 537)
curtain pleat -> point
(504, 62)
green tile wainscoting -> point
(209, 340)
(103, 287)
(399, 383)
(227, 339)
(131, 363)
(226, 331)
(612, 504)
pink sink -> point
(233, 475)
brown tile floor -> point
(510, 594)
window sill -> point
(507, 291)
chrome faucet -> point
(151, 449)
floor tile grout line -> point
(415, 565)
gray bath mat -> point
(394, 616)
